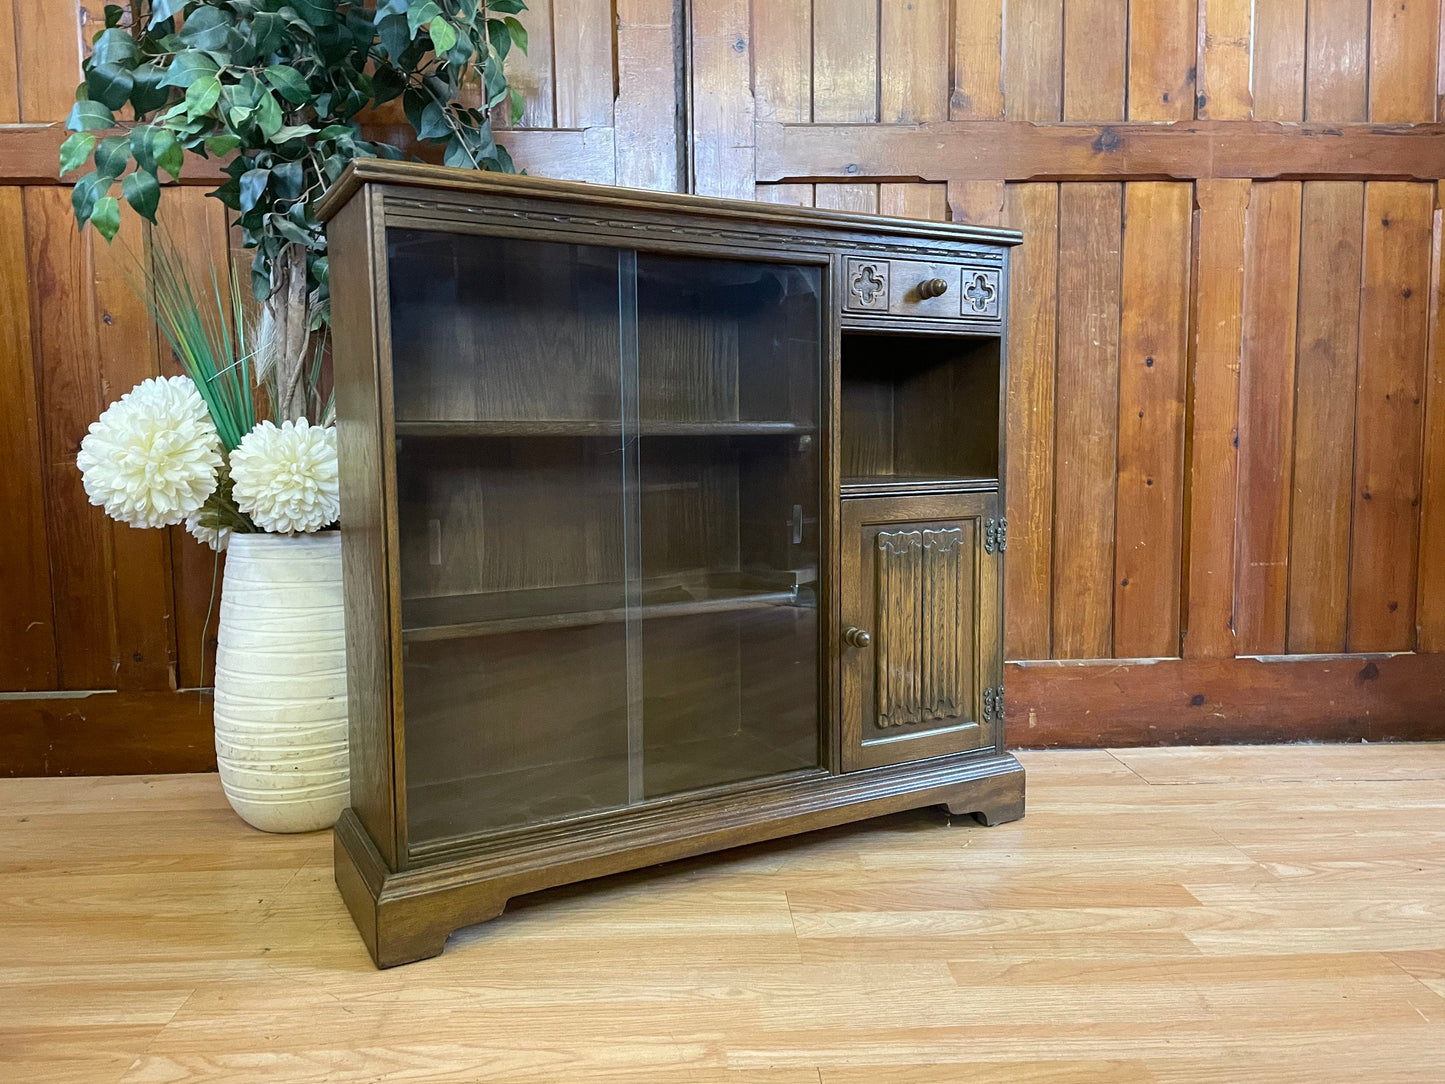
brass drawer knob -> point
(932, 288)
(856, 637)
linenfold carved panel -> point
(922, 671)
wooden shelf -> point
(452, 617)
(902, 485)
(596, 428)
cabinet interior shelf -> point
(598, 428)
(452, 617)
(889, 485)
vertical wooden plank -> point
(582, 47)
(1212, 439)
(795, 195)
(197, 227)
(979, 203)
(126, 341)
(1266, 416)
(649, 145)
(1162, 59)
(1404, 37)
(1034, 60)
(62, 317)
(1095, 37)
(722, 100)
(531, 72)
(1225, 32)
(1153, 343)
(1329, 333)
(847, 197)
(48, 50)
(845, 61)
(977, 60)
(1338, 61)
(1086, 419)
(1430, 607)
(27, 629)
(783, 60)
(9, 66)
(1032, 209)
(913, 47)
(1279, 59)
(928, 202)
(1394, 335)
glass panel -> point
(728, 402)
(507, 376)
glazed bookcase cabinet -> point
(669, 524)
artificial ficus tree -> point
(277, 85)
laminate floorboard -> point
(1254, 914)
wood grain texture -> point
(107, 733)
(582, 46)
(1394, 337)
(1213, 429)
(783, 60)
(1266, 415)
(1328, 336)
(1144, 884)
(1153, 345)
(1278, 59)
(1225, 41)
(980, 203)
(1358, 697)
(1033, 330)
(1404, 37)
(722, 100)
(1086, 419)
(928, 202)
(648, 146)
(913, 50)
(1430, 592)
(1162, 59)
(27, 629)
(978, 53)
(1033, 60)
(1096, 34)
(9, 67)
(845, 61)
(531, 72)
(1337, 62)
(49, 42)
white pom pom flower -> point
(285, 476)
(151, 459)
(218, 538)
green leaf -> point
(316, 12)
(268, 115)
(221, 144)
(500, 37)
(443, 34)
(268, 32)
(161, 10)
(114, 13)
(147, 92)
(187, 68)
(387, 8)
(88, 116)
(253, 187)
(169, 154)
(288, 83)
(395, 35)
(143, 192)
(105, 216)
(417, 17)
(109, 84)
(433, 122)
(507, 7)
(86, 191)
(203, 95)
(288, 179)
(518, 105)
(519, 33)
(75, 150)
(207, 29)
(112, 156)
(113, 46)
(287, 132)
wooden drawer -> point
(916, 288)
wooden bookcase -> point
(669, 524)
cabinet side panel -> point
(354, 282)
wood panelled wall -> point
(1227, 424)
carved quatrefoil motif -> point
(980, 293)
(867, 285)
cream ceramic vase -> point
(280, 706)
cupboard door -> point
(920, 639)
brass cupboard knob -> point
(856, 637)
(932, 288)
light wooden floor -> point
(1236, 915)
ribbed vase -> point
(280, 705)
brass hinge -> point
(995, 535)
(993, 704)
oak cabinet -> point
(669, 524)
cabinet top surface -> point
(421, 175)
